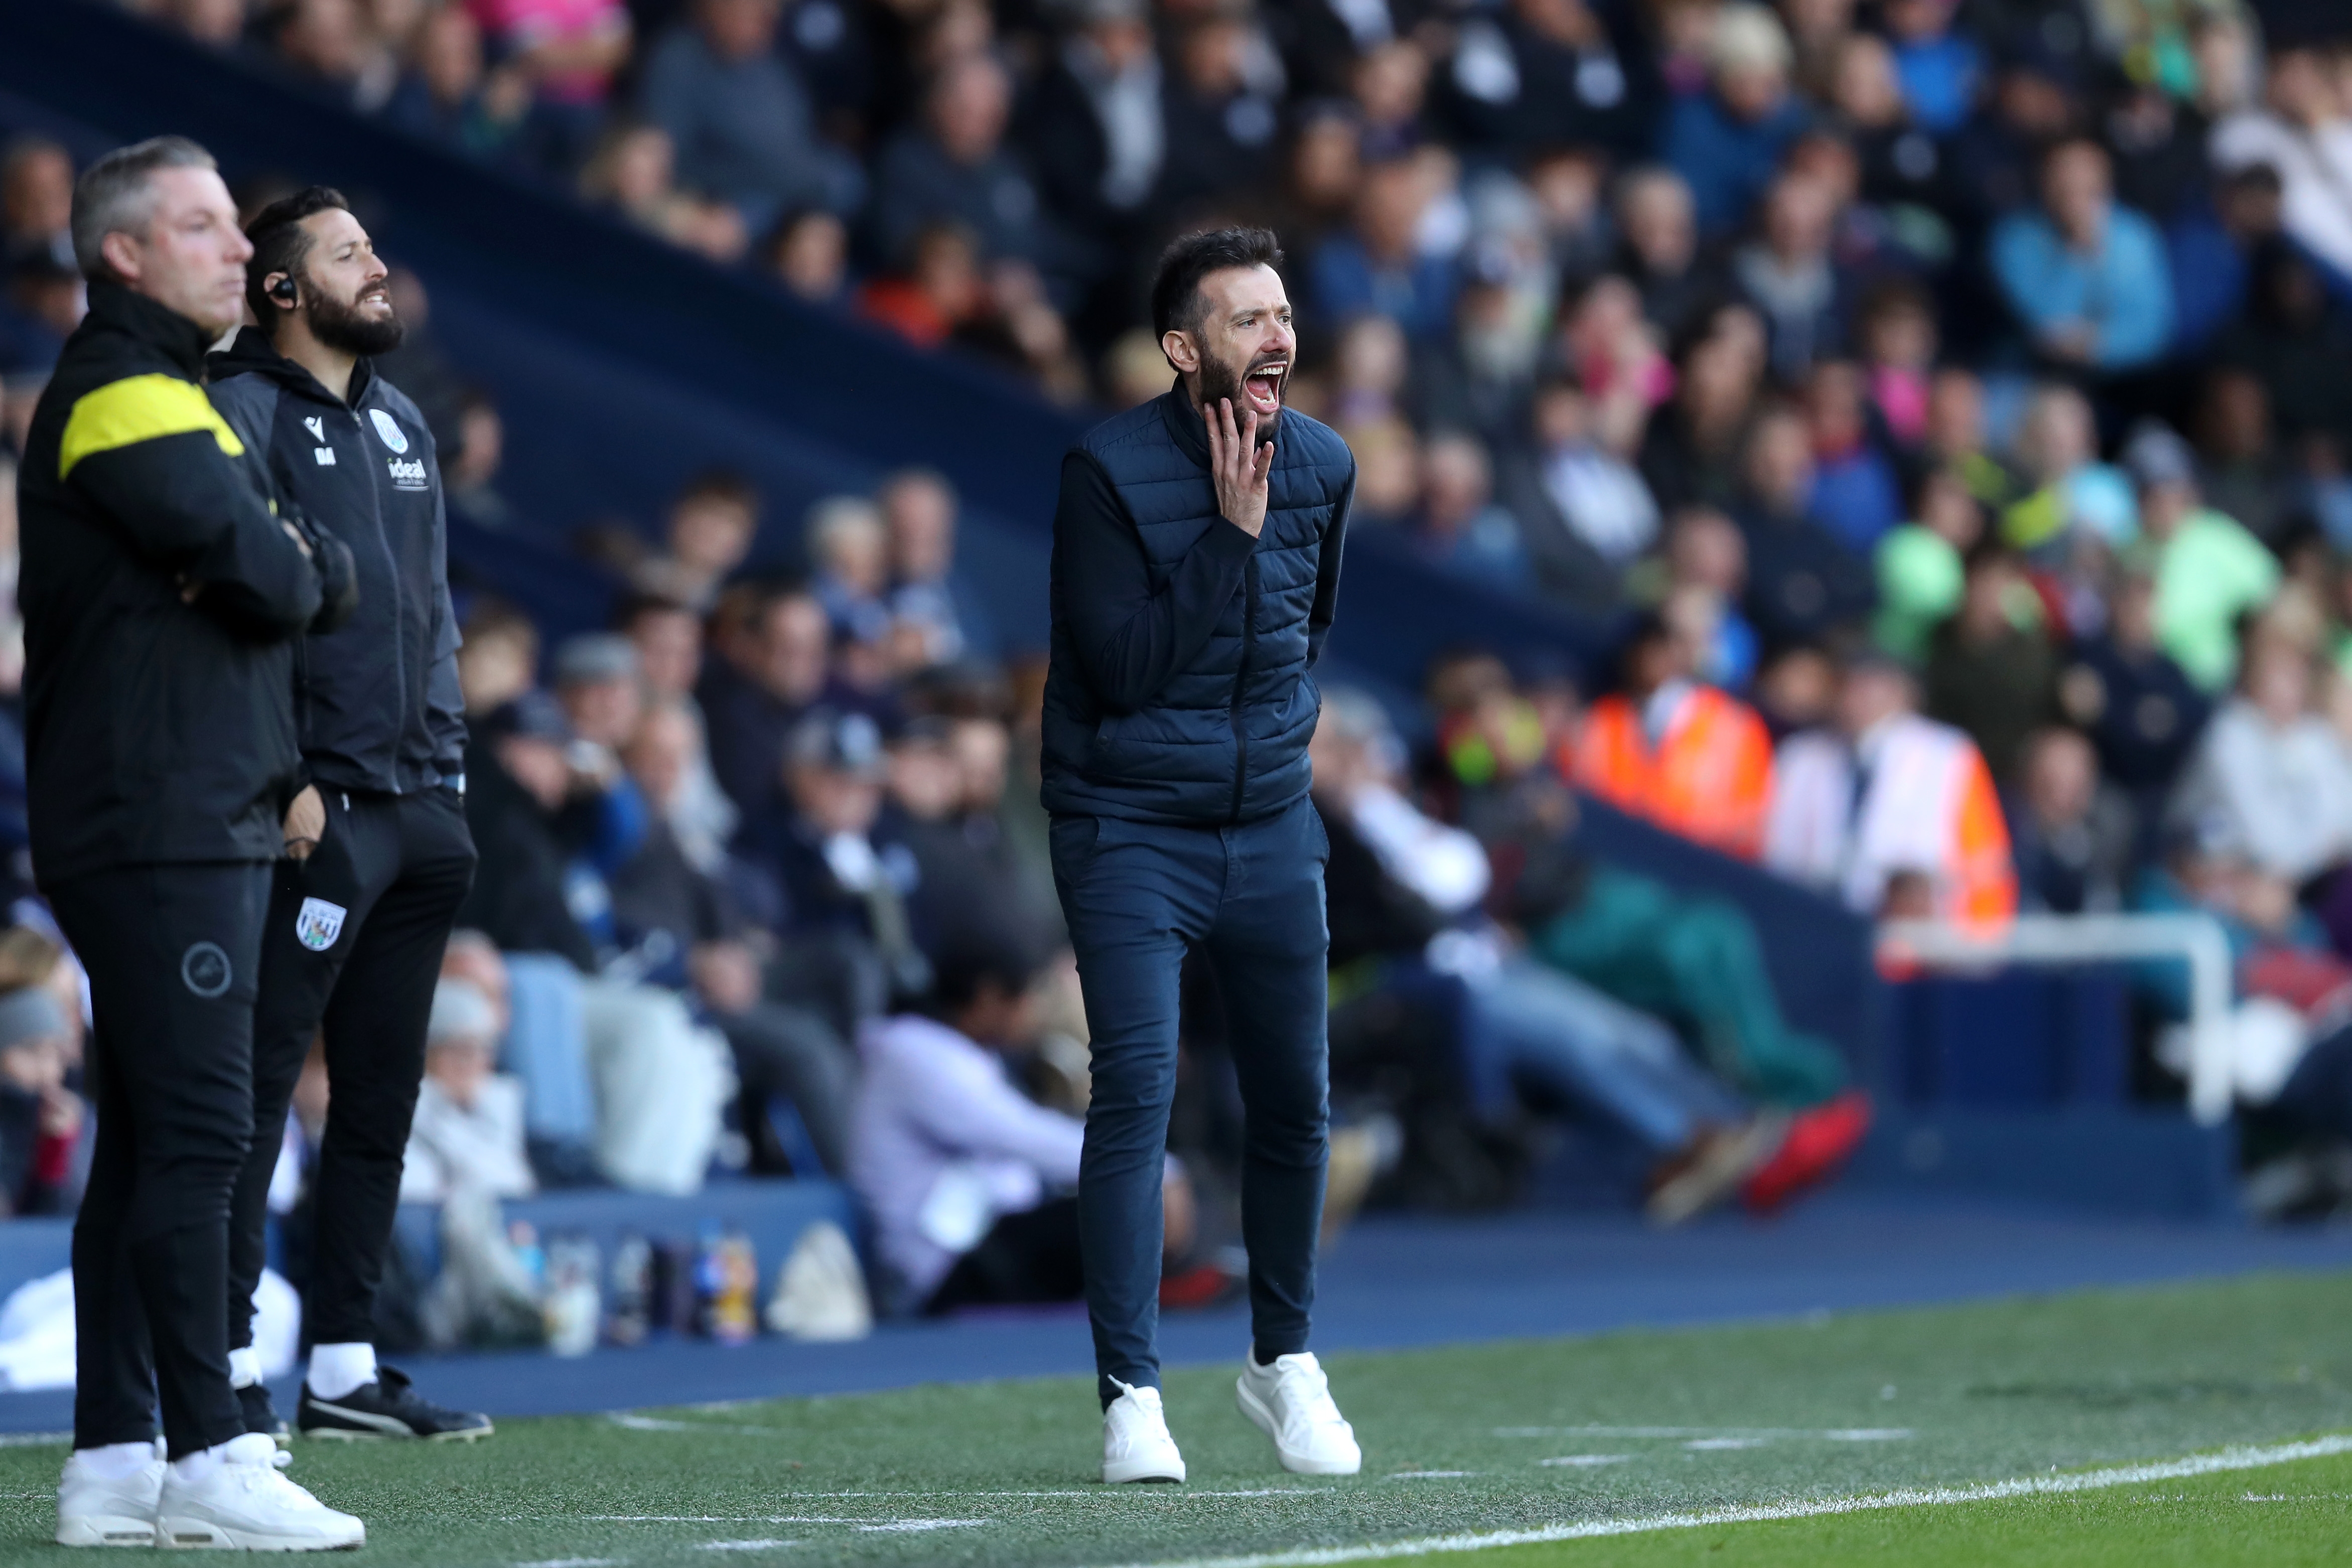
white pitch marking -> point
(1834, 1434)
(745, 1545)
(1430, 1475)
(636, 1422)
(916, 1526)
(1586, 1461)
(33, 1439)
(2232, 1458)
(1708, 1445)
(576, 1563)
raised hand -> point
(1239, 465)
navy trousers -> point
(1250, 895)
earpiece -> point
(283, 289)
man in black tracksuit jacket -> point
(355, 933)
(162, 605)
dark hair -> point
(280, 243)
(973, 959)
(1176, 286)
(723, 485)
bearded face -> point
(364, 325)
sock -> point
(250, 1448)
(114, 1462)
(337, 1369)
(244, 1367)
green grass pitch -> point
(1543, 1439)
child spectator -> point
(713, 523)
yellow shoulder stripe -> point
(137, 408)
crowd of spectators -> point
(1842, 352)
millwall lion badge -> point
(318, 924)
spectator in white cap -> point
(468, 1132)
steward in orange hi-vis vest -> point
(1706, 772)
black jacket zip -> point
(1241, 676)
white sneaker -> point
(1136, 1443)
(94, 1510)
(1290, 1402)
(244, 1505)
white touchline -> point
(2234, 1458)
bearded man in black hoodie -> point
(356, 932)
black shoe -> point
(260, 1415)
(388, 1408)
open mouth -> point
(1262, 388)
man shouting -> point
(1196, 568)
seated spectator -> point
(1377, 267)
(667, 638)
(1458, 528)
(1991, 672)
(327, 42)
(1957, 440)
(1897, 339)
(943, 810)
(2066, 491)
(1405, 900)
(2303, 132)
(2208, 571)
(2138, 707)
(1655, 214)
(1584, 510)
(1855, 495)
(37, 181)
(773, 667)
(1921, 565)
(633, 174)
(1726, 142)
(1706, 556)
(1683, 755)
(467, 1135)
(2087, 279)
(1547, 75)
(534, 1006)
(1094, 125)
(2245, 475)
(1786, 274)
(1218, 116)
(937, 293)
(448, 93)
(570, 50)
(1901, 163)
(928, 600)
(2071, 831)
(2269, 770)
(953, 166)
(1693, 451)
(845, 882)
(42, 1120)
(849, 550)
(739, 116)
(1939, 66)
(679, 924)
(498, 659)
(710, 528)
(1803, 581)
(969, 1182)
(809, 255)
(659, 1082)
(1887, 792)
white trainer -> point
(1136, 1443)
(1290, 1402)
(244, 1505)
(101, 1511)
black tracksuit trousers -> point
(353, 943)
(172, 952)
